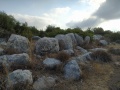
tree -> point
(98, 30)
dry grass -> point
(62, 56)
(101, 56)
(97, 78)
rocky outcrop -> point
(65, 42)
(72, 70)
(18, 43)
(44, 83)
(46, 45)
(19, 77)
(51, 63)
(15, 60)
(97, 37)
(79, 40)
(87, 40)
(72, 36)
(82, 50)
(103, 42)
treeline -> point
(9, 25)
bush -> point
(115, 51)
(101, 56)
(62, 56)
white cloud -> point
(37, 21)
(111, 25)
(54, 17)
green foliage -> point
(98, 30)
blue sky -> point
(65, 13)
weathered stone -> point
(79, 40)
(51, 63)
(72, 70)
(82, 50)
(84, 58)
(65, 42)
(103, 42)
(18, 43)
(72, 36)
(19, 77)
(44, 83)
(46, 45)
(97, 37)
(87, 40)
(15, 60)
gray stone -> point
(44, 83)
(51, 63)
(72, 36)
(65, 42)
(82, 50)
(18, 43)
(98, 49)
(79, 40)
(97, 37)
(84, 58)
(72, 70)
(87, 40)
(35, 38)
(1, 51)
(15, 60)
(46, 45)
(117, 41)
(69, 51)
(103, 42)
(19, 76)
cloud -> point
(93, 21)
(37, 21)
(54, 17)
(108, 10)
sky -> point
(65, 13)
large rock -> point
(65, 42)
(79, 40)
(84, 58)
(72, 36)
(82, 50)
(18, 43)
(117, 41)
(46, 45)
(51, 63)
(87, 40)
(44, 83)
(103, 42)
(72, 70)
(19, 77)
(97, 37)
(35, 38)
(15, 60)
